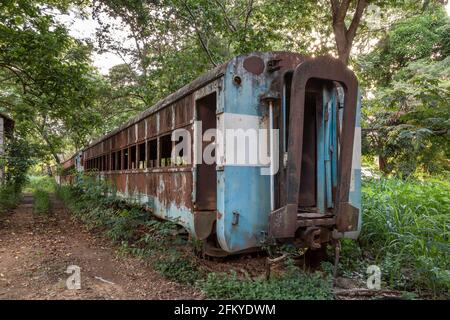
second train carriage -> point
(310, 108)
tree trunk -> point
(342, 46)
(382, 164)
(344, 36)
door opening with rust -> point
(206, 193)
(318, 147)
(318, 176)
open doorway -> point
(206, 173)
(307, 196)
(318, 146)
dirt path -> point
(35, 252)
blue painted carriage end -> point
(243, 194)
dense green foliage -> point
(45, 183)
(47, 83)
(15, 161)
(407, 119)
(60, 102)
(405, 232)
(9, 198)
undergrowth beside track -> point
(406, 228)
(10, 196)
(164, 245)
(405, 232)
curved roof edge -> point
(189, 88)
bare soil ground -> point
(35, 252)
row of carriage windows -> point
(139, 156)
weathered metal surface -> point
(254, 64)
(203, 223)
(170, 192)
(141, 134)
(325, 68)
(184, 111)
(242, 188)
(152, 127)
(166, 119)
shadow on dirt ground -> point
(36, 250)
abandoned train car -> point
(310, 109)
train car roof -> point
(199, 82)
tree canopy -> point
(60, 102)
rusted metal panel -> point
(107, 145)
(69, 163)
(131, 134)
(114, 144)
(141, 130)
(184, 111)
(254, 64)
(122, 139)
(136, 183)
(165, 119)
(172, 186)
(175, 186)
(152, 128)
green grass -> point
(41, 204)
(178, 267)
(406, 226)
(45, 183)
(294, 284)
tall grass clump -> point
(406, 226)
(41, 204)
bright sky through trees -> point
(85, 28)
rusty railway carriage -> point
(313, 198)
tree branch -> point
(202, 42)
(225, 15)
(351, 32)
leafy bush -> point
(406, 229)
(292, 285)
(123, 224)
(10, 196)
(41, 203)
